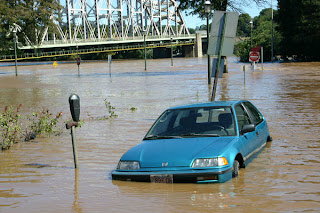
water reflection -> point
(76, 207)
(198, 196)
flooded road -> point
(38, 176)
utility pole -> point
(271, 32)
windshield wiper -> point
(154, 137)
(200, 135)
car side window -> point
(256, 114)
(242, 116)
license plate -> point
(161, 178)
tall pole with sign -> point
(221, 41)
(215, 83)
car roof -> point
(210, 104)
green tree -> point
(261, 37)
(299, 24)
(262, 34)
(244, 29)
(33, 16)
(192, 31)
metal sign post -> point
(221, 41)
(215, 82)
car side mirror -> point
(248, 128)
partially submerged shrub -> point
(42, 122)
(111, 113)
(10, 126)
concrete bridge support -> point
(188, 51)
(198, 46)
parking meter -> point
(74, 102)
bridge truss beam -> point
(94, 20)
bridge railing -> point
(95, 40)
(28, 56)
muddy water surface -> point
(38, 176)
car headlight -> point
(209, 162)
(128, 165)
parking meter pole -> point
(78, 69)
(74, 147)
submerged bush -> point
(42, 122)
(10, 126)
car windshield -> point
(193, 122)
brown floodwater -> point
(38, 176)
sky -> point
(194, 21)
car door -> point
(248, 140)
(259, 122)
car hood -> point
(176, 152)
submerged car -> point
(207, 142)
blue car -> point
(200, 143)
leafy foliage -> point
(299, 25)
(42, 122)
(33, 16)
(110, 109)
(242, 50)
(10, 126)
(244, 29)
(261, 37)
